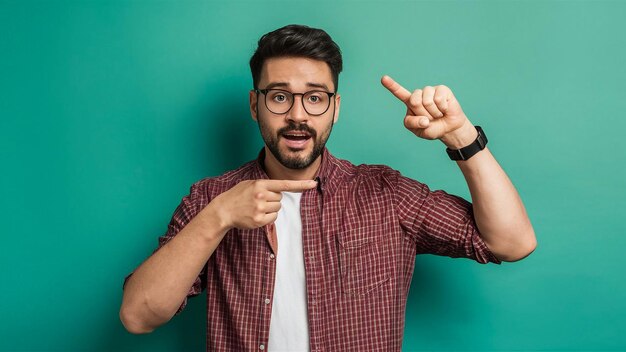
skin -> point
(158, 286)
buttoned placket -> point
(269, 280)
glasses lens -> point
(278, 101)
(316, 102)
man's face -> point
(295, 138)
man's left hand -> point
(434, 113)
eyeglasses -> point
(278, 101)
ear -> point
(337, 106)
(253, 105)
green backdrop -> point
(110, 110)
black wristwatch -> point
(467, 152)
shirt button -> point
(262, 347)
(267, 301)
(271, 257)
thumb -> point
(416, 122)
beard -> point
(295, 162)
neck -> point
(276, 171)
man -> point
(299, 250)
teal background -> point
(110, 110)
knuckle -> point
(415, 99)
(258, 218)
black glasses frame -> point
(264, 91)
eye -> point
(279, 97)
(314, 98)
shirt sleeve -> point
(183, 214)
(439, 223)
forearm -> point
(156, 289)
(498, 210)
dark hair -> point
(298, 41)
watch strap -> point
(467, 152)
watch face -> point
(481, 133)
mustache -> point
(299, 127)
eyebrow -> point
(286, 85)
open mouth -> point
(296, 136)
(296, 139)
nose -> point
(297, 112)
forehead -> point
(296, 73)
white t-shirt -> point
(289, 326)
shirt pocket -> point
(364, 261)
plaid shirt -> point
(361, 229)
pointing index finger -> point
(396, 89)
(290, 185)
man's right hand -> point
(156, 289)
(255, 203)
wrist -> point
(470, 150)
(461, 137)
(213, 223)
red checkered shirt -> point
(361, 229)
